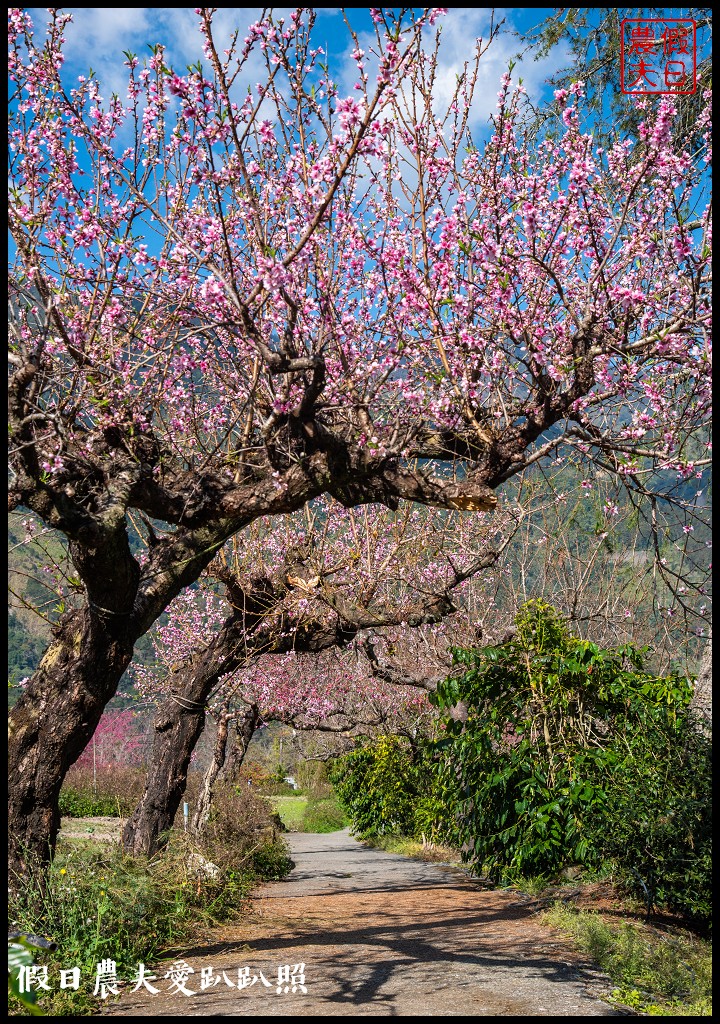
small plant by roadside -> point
(656, 973)
(97, 903)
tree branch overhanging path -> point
(226, 304)
(360, 571)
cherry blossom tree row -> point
(231, 297)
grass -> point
(309, 814)
(658, 973)
(99, 904)
(291, 810)
(96, 903)
(324, 814)
(432, 852)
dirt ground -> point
(358, 932)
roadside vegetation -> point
(557, 762)
(418, 849)
(109, 791)
(655, 971)
(314, 808)
(99, 904)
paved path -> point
(381, 935)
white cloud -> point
(96, 38)
(460, 27)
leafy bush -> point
(377, 787)
(271, 861)
(571, 754)
(389, 788)
(656, 823)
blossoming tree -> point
(226, 302)
(296, 590)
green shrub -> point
(271, 862)
(656, 822)
(571, 754)
(389, 788)
(377, 786)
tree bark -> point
(56, 716)
(50, 728)
(202, 808)
(221, 763)
(244, 731)
(178, 726)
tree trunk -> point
(178, 726)
(202, 808)
(245, 726)
(51, 725)
(244, 731)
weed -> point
(531, 885)
(97, 904)
(657, 973)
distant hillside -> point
(33, 602)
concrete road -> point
(358, 932)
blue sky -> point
(98, 36)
